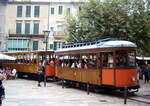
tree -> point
(122, 19)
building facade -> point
(27, 19)
(3, 25)
(58, 11)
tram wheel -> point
(20, 75)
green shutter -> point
(35, 45)
(55, 45)
(51, 46)
(18, 28)
(60, 8)
(19, 11)
(27, 28)
(52, 10)
(36, 11)
(63, 43)
(36, 29)
(68, 11)
(28, 11)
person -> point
(138, 72)
(2, 89)
(79, 65)
(146, 72)
(51, 63)
(149, 71)
(13, 74)
(9, 73)
(44, 65)
(73, 65)
(85, 66)
(40, 72)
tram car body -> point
(27, 63)
(105, 63)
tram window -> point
(131, 58)
(92, 61)
(60, 58)
(85, 61)
(121, 60)
(72, 62)
(107, 59)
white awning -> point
(142, 58)
(6, 57)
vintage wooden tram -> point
(26, 63)
(104, 63)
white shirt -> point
(14, 72)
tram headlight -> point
(133, 78)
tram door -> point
(107, 68)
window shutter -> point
(36, 29)
(51, 46)
(27, 28)
(19, 11)
(60, 10)
(35, 45)
(36, 11)
(55, 45)
(52, 10)
(18, 28)
(28, 11)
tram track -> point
(141, 98)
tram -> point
(26, 63)
(105, 63)
(108, 63)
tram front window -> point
(121, 59)
(131, 57)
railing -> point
(88, 43)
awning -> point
(6, 57)
(142, 58)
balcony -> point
(58, 35)
(27, 35)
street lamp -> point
(46, 34)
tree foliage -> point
(122, 19)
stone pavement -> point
(22, 92)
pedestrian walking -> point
(138, 72)
(44, 65)
(40, 74)
(149, 71)
(2, 89)
(146, 73)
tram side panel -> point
(126, 77)
(91, 76)
(108, 77)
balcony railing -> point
(27, 35)
(58, 34)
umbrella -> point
(6, 57)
